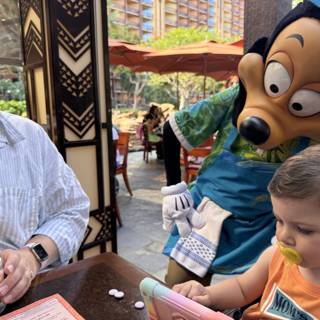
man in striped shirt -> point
(43, 210)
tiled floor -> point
(141, 238)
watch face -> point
(40, 251)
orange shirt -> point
(287, 294)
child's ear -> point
(258, 47)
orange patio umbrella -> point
(204, 58)
(238, 43)
(227, 73)
(200, 58)
(126, 53)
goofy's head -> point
(279, 95)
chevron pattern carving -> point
(105, 220)
(32, 33)
(101, 231)
(75, 98)
(76, 85)
(75, 64)
(26, 5)
(75, 8)
(78, 124)
(33, 40)
(75, 46)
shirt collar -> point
(8, 133)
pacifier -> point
(292, 256)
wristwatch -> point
(38, 251)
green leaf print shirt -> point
(195, 124)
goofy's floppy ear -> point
(258, 47)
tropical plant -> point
(183, 88)
(13, 106)
(11, 90)
(181, 36)
(133, 83)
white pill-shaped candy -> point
(139, 305)
(119, 295)
(112, 292)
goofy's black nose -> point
(255, 130)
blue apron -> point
(238, 185)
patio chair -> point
(192, 159)
(123, 147)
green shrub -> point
(15, 107)
(11, 90)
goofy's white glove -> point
(177, 208)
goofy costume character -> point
(225, 221)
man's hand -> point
(19, 269)
(177, 207)
(195, 291)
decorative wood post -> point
(261, 17)
(68, 93)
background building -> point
(229, 17)
(169, 14)
(147, 18)
(136, 15)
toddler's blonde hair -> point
(299, 176)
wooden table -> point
(85, 285)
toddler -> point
(287, 274)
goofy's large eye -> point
(276, 79)
(305, 103)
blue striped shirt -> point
(39, 193)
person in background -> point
(294, 258)
(115, 138)
(118, 158)
(153, 120)
(232, 81)
(43, 210)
